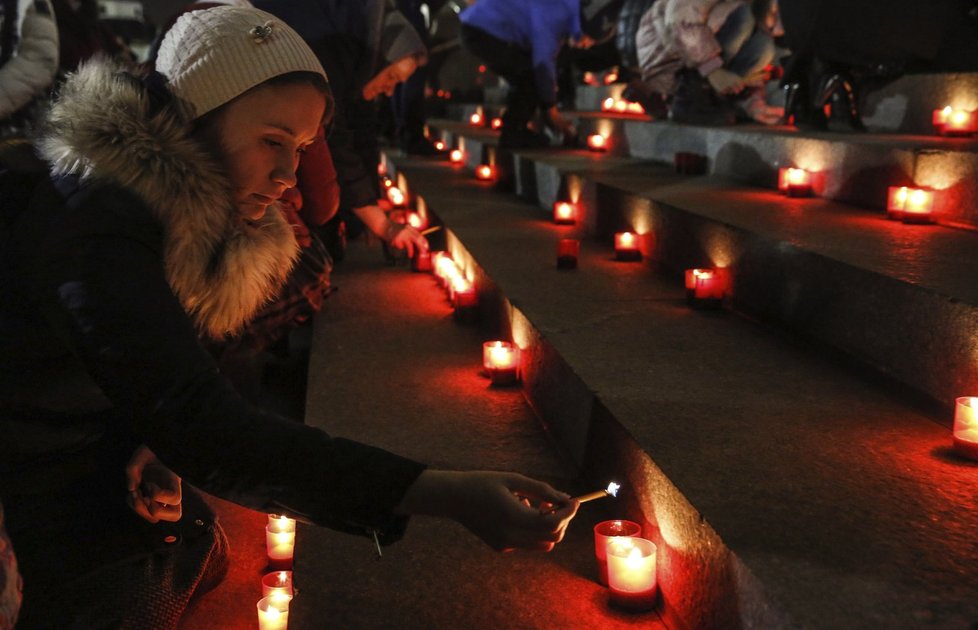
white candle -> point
(631, 572)
(277, 583)
(279, 545)
(273, 613)
(966, 426)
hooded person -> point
(157, 226)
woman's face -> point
(387, 79)
(261, 135)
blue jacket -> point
(537, 26)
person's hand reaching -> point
(506, 510)
(155, 491)
(725, 82)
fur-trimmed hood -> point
(103, 128)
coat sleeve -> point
(35, 63)
(103, 272)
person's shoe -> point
(653, 103)
(696, 103)
(522, 139)
(837, 89)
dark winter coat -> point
(109, 275)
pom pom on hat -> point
(210, 57)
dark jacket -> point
(539, 27)
(110, 275)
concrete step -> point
(784, 489)
(852, 168)
(890, 295)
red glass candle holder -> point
(705, 288)
(568, 249)
(597, 142)
(966, 426)
(910, 205)
(603, 532)
(485, 172)
(439, 145)
(421, 262)
(565, 213)
(465, 299)
(690, 163)
(476, 119)
(795, 182)
(496, 124)
(955, 122)
(631, 572)
(456, 156)
(626, 247)
(608, 104)
(500, 359)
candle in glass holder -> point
(568, 249)
(475, 119)
(955, 122)
(795, 182)
(496, 123)
(484, 172)
(565, 212)
(631, 572)
(608, 104)
(966, 426)
(603, 532)
(910, 205)
(395, 196)
(439, 145)
(280, 541)
(465, 299)
(597, 142)
(626, 247)
(705, 288)
(277, 583)
(421, 262)
(273, 613)
(456, 156)
(501, 361)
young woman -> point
(159, 226)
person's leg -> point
(513, 64)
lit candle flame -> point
(613, 489)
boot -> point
(836, 88)
(798, 108)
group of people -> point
(164, 213)
(710, 61)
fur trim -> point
(221, 268)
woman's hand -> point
(506, 510)
(154, 490)
(406, 237)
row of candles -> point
(276, 587)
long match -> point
(430, 230)
(610, 491)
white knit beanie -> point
(212, 55)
